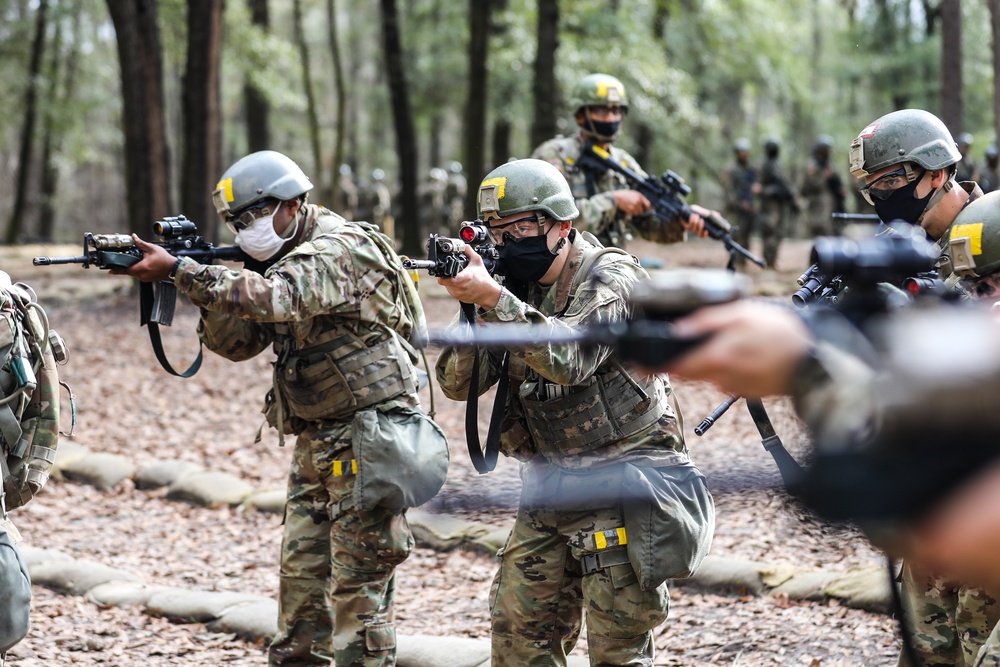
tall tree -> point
(202, 141)
(406, 138)
(26, 154)
(338, 86)
(314, 138)
(952, 101)
(474, 128)
(147, 157)
(544, 88)
(258, 108)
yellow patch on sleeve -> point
(499, 181)
(975, 233)
(226, 185)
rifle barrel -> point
(47, 261)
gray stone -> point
(164, 473)
(35, 555)
(67, 453)
(863, 588)
(255, 621)
(196, 606)
(491, 542)
(426, 651)
(443, 532)
(718, 571)
(806, 586)
(103, 470)
(122, 593)
(271, 501)
(210, 489)
(76, 577)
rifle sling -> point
(484, 460)
(791, 471)
(146, 307)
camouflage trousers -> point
(744, 222)
(948, 622)
(774, 221)
(337, 582)
(989, 654)
(540, 595)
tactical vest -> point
(342, 369)
(566, 421)
(29, 393)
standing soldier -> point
(776, 201)
(455, 192)
(609, 208)
(347, 205)
(337, 308)
(967, 170)
(989, 177)
(431, 198)
(737, 181)
(376, 202)
(822, 190)
(590, 435)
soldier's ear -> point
(564, 227)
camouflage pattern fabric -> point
(820, 199)
(989, 654)
(737, 183)
(949, 622)
(599, 214)
(540, 594)
(774, 204)
(337, 564)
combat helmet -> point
(974, 238)
(255, 178)
(909, 135)
(525, 185)
(741, 145)
(599, 90)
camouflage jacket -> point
(737, 183)
(823, 191)
(598, 210)
(601, 296)
(338, 276)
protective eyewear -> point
(517, 229)
(249, 215)
(984, 287)
(885, 185)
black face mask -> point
(607, 129)
(528, 259)
(902, 205)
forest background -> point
(116, 113)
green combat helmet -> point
(741, 145)
(256, 177)
(974, 238)
(599, 90)
(901, 137)
(526, 185)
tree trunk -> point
(26, 154)
(338, 86)
(406, 139)
(258, 108)
(474, 128)
(322, 189)
(202, 139)
(994, 7)
(544, 88)
(501, 146)
(952, 101)
(147, 157)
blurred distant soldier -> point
(431, 200)
(737, 182)
(776, 201)
(967, 170)
(609, 208)
(376, 201)
(455, 192)
(823, 190)
(347, 201)
(989, 177)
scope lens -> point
(468, 234)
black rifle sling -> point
(791, 471)
(150, 320)
(484, 461)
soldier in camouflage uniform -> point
(608, 207)
(989, 176)
(776, 201)
(331, 299)
(581, 424)
(348, 192)
(822, 190)
(908, 160)
(967, 169)
(737, 183)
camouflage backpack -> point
(29, 393)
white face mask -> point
(260, 241)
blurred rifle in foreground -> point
(157, 301)
(666, 195)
